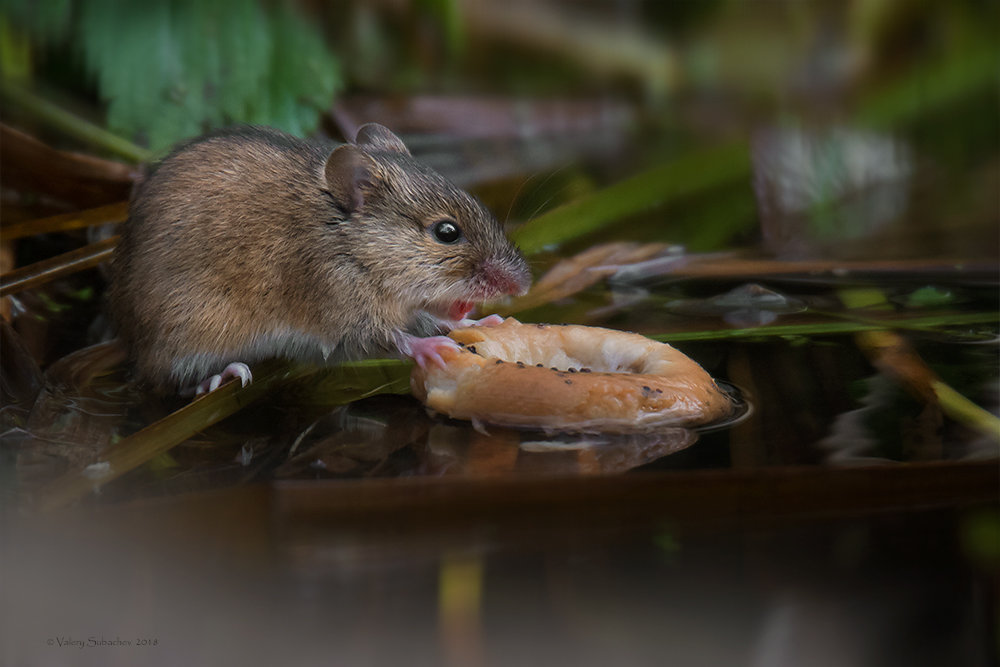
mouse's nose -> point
(506, 276)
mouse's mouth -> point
(459, 310)
(452, 310)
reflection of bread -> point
(569, 378)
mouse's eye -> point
(446, 231)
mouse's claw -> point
(234, 370)
(488, 321)
(428, 350)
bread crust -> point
(569, 378)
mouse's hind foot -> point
(234, 370)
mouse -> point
(249, 243)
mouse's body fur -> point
(249, 243)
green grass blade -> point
(69, 123)
(829, 328)
(683, 177)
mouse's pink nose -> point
(503, 278)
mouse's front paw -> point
(428, 350)
(234, 370)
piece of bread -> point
(569, 378)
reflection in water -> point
(749, 305)
(377, 437)
(507, 451)
(851, 441)
(79, 409)
(395, 438)
(383, 436)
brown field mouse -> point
(250, 243)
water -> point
(373, 533)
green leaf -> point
(171, 69)
(47, 20)
(929, 297)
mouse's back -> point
(204, 257)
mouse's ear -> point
(350, 177)
(380, 137)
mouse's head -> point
(433, 242)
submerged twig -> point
(893, 355)
(961, 409)
(890, 353)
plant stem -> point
(828, 328)
(71, 124)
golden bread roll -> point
(569, 377)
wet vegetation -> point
(801, 196)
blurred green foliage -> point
(170, 69)
(980, 535)
(447, 14)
